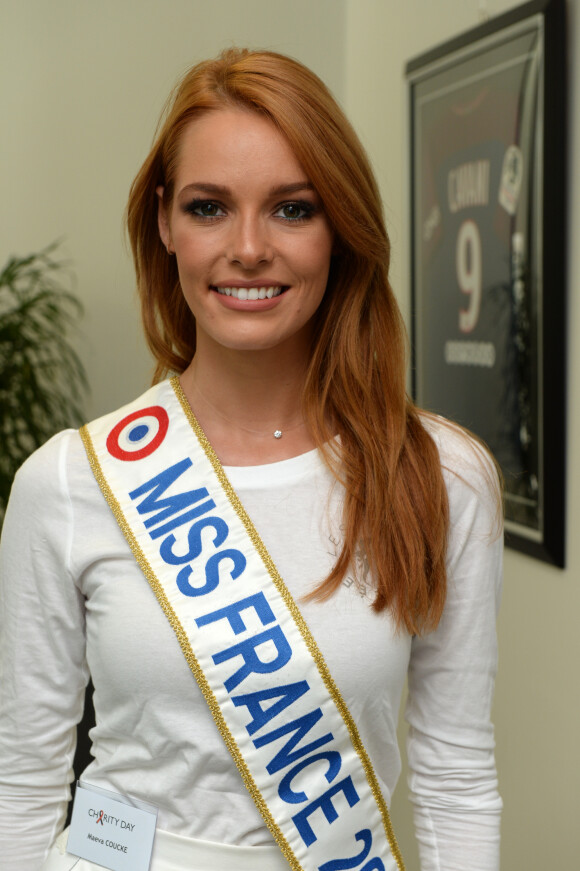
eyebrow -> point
(224, 190)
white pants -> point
(176, 853)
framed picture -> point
(488, 263)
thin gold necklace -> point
(277, 433)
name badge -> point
(112, 830)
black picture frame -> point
(488, 253)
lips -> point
(251, 293)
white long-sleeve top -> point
(73, 601)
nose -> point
(249, 243)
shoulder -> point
(470, 472)
(59, 473)
(46, 464)
(461, 453)
(39, 514)
(62, 460)
(44, 478)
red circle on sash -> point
(135, 437)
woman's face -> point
(252, 242)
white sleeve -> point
(452, 775)
(42, 659)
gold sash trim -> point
(189, 654)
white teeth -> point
(250, 293)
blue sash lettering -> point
(212, 576)
(324, 803)
(170, 512)
(171, 505)
(252, 662)
(287, 755)
(262, 653)
(182, 519)
(287, 695)
(212, 570)
(167, 553)
(343, 864)
(285, 790)
(375, 864)
(233, 613)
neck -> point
(242, 398)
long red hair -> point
(395, 497)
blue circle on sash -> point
(138, 433)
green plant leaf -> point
(42, 379)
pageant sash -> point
(268, 688)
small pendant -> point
(278, 434)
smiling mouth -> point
(251, 293)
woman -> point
(262, 264)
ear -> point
(163, 221)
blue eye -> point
(295, 211)
(204, 209)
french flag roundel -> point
(138, 434)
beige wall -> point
(537, 707)
(81, 85)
